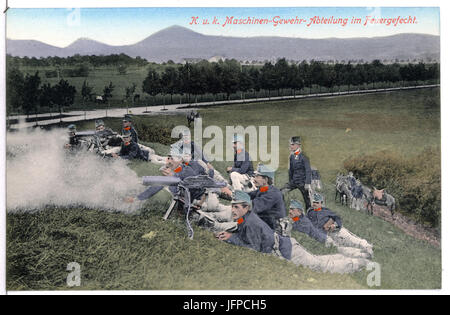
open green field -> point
(114, 255)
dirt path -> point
(408, 226)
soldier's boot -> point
(345, 238)
(337, 263)
(353, 252)
(329, 242)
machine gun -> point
(97, 141)
(183, 194)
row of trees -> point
(27, 94)
(230, 76)
(93, 60)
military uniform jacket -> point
(196, 167)
(74, 142)
(133, 151)
(299, 169)
(304, 225)
(268, 205)
(255, 234)
(319, 218)
(134, 135)
(242, 163)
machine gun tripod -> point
(182, 197)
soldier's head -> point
(185, 136)
(238, 142)
(127, 121)
(240, 205)
(126, 137)
(187, 157)
(295, 208)
(71, 130)
(317, 201)
(295, 143)
(174, 159)
(264, 176)
(99, 125)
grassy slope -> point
(114, 256)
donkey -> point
(342, 189)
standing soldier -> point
(128, 126)
(242, 169)
(331, 224)
(254, 233)
(299, 172)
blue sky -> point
(121, 26)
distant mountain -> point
(176, 43)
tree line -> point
(75, 60)
(25, 93)
(229, 76)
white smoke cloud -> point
(40, 172)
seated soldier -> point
(130, 149)
(254, 233)
(198, 169)
(74, 142)
(301, 223)
(174, 167)
(267, 200)
(127, 124)
(242, 170)
(326, 220)
(187, 146)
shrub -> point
(415, 182)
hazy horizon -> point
(172, 26)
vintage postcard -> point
(223, 148)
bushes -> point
(159, 133)
(415, 182)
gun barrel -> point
(160, 180)
(85, 134)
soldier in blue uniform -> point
(303, 224)
(174, 167)
(299, 172)
(267, 200)
(74, 142)
(128, 126)
(130, 149)
(189, 147)
(242, 169)
(254, 233)
(329, 222)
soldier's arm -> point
(149, 192)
